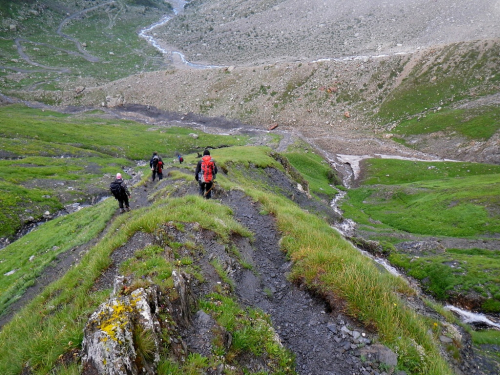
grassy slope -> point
(324, 262)
(109, 32)
(55, 159)
(435, 199)
(458, 72)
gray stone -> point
(380, 353)
(332, 327)
(445, 339)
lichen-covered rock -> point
(123, 335)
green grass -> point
(458, 71)
(252, 332)
(429, 201)
(109, 32)
(31, 254)
(58, 158)
(328, 264)
(323, 261)
(395, 172)
(479, 124)
(439, 199)
(316, 171)
(457, 272)
(64, 306)
(486, 337)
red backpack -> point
(207, 169)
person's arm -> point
(198, 170)
(125, 187)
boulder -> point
(123, 336)
(115, 101)
(379, 353)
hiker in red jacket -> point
(205, 174)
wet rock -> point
(420, 247)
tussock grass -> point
(329, 264)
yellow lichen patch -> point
(117, 319)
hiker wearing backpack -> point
(205, 173)
(153, 164)
(159, 169)
(120, 191)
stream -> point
(348, 167)
(145, 33)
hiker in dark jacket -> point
(121, 193)
(205, 173)
(153, 164)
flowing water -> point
(347, 228)
(145, 33)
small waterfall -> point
(472, 318)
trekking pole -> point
(208, 191)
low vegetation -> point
(51, 159)
(438, 199)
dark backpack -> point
(155, 161)
(116, 189)
(207, 169)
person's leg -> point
(120, 204)
(209, 190)
(202, 188)
(154, 175)
(160, 176)
(125, 200)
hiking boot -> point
(122, 210)
(128, 209)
